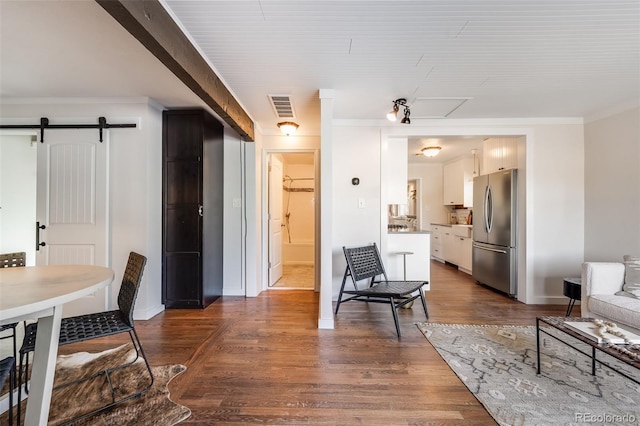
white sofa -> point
(600, 283)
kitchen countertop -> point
(408, 232)
(452, 224)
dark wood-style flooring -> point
(263, 360)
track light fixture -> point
(406, 119)
(393, 114)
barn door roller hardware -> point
(44, 124)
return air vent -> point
(282, 106)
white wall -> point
(612, 187)
(301, 204)
(252, 218)
(433, 211)
(136, 179)
(18, 195)
(356, 153)
(558, 207)
(232, 215)
(552, 206)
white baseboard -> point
(326, 323)
(148, 313)
(551, 300)
(4, 401)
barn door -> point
(72, 206)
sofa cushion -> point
(619, 309)
(631, 275)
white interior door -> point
(275, 219)
(73, 205)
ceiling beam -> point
(152, 26)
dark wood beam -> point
(152, 26)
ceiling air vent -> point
(282, 106)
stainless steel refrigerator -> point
(495, 230)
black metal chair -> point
(12, 260)
(102, 324)
(8, 369)
(364, 263)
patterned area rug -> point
(498, 365)
(153, 408)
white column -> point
(325, 319)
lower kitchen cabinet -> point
(437, 242)
(447, 245)
(465, 247)
(450, 242)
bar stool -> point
(404, 255)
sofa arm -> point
(600, 278)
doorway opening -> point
(291, 203)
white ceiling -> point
(548, 58)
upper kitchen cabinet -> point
(500, 154)
(456, 175)
(396, 166)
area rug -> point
(153, 408)
(498, 365)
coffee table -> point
(557, 323)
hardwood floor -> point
(263, 360)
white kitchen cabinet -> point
(397, 170)
(458, 247)
(456, 190)
(500, 154)
(450, 247)
(437, 242)
(465, 247)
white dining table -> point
(39, 292)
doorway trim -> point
(264, 213)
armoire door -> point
(182, 205)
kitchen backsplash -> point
(460, 216)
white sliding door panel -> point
(73, 205)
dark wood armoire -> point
(192, 208)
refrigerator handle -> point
(489, 249)
(489, 209)
(485, 209)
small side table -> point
(572, 288)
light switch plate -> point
(361, 204)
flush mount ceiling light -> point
(288, 127)
(431, 151)
(393, 114)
